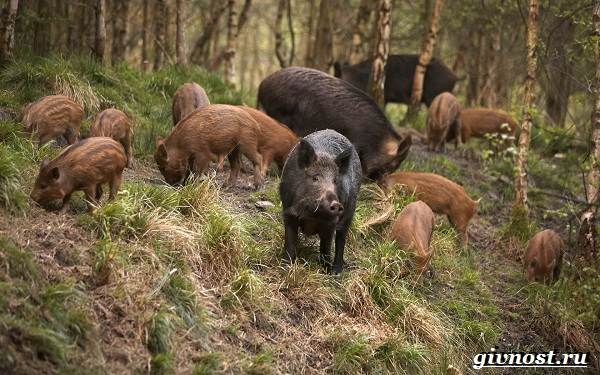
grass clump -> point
(246, 289)
(208, 364)
(351, 353)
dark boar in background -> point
(116, 125)
(543, 257)
(51, 117)
(442, 121)
(189, 97)
(399, 74)
(84, 166)
(308, 100)
(319, 187)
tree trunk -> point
(100, 35)
(323, 47)
(308, 48)
(292, 33)
(559, 71)
(159, 33)
(201, 45)
(586, 239)
(145, 36)
(279, 35)
(229, 57)
(180, 38)
(243, 16)
(120, 30)
(359, 49)
(71, 39)
(380, 52)
(41, 32)
(7, 32)
(488, 95)
(424, 58)
(475, 69)
(520, 207)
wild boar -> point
(319, 186)
(412, 231)
(543, 257)
(442, 121)
(399, 75)
(308, 100)
(116, 125)
(53, 116)
(275, 142)
(85, 166)
(188, 97)
(442, 195)
(477, 122)
(210, 133)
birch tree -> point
(586, 239)
(424, 59)
(100, 36)
(380, 52)
(7, 32)
(229, 57)
(520, 207)
(180, 33)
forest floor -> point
(190, 280)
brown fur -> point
(188, 97)
(543, 257)
(85, 166)
(276, 140)
(53, 116)
(477, 122)
(442, 121)
(116, 125)
(412, 231)
(210, 133)
(442, 195)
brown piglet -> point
(86, 165)
(442, 121)
(51, 117)
(441, 195)
(477, 122)
(412, 231)
(116, 125)
(209, 134)
(543, 257)
(188, 97)
(276, 140)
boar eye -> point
(315, 178)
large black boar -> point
(307, 100)
(318, 189)
(399, 74)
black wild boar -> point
(308, 100)
(85, 166)
(318, 189)
(399, 74)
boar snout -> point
(336, 208)
(330, 205)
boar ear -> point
(403, 148)
(162, 150)
(306, 154)
(159, 141)
(55, 173)
(343, 160)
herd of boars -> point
(324, 133)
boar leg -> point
(326, 237)
(200, 164)
(90, 197)
(235, 163)
(251, 153)
(340, 243)
(114, 186)
(65, 203)
(70, 136)
(290, 224)
(99, 192)
(220, 162)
